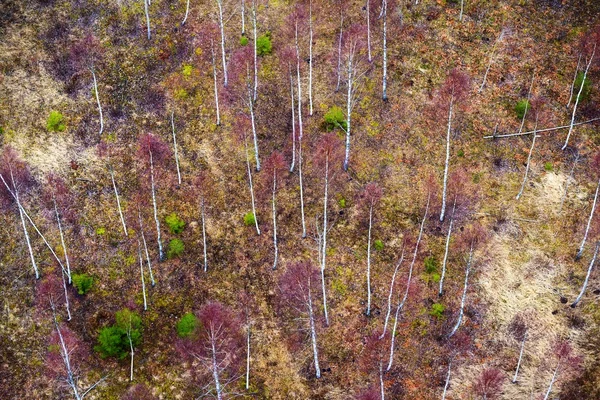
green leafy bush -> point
(187, 325)
(175, 223)
(55, 122)
(548, 166)
(437, 310)
(334, 118)
(249, 219)
(187, 70)
(243, 40)
(587, 86)
(378, 244)
(431, 265)
(522, 107)
(113, 341)
(82, 282)
(342, 202)
(264, 45)
(176, 248)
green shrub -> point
(113, 341)
(431, 265)
(461, 153)
(249, 219)
(437, 310)
(264, 45)
(187, 70)
(521, 107)
(55, 122)
(187, 325)
(175, 223)
(342, 202)
(100, 231)
(176, 248)
(587, 87)
(334, 118)
(548, 166)
(244, 40)
(378, 244)
(82, 282)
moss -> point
(548, 166)
(55, 122)
(186, 70)
(101, 231)
(176, 248)
(249, 219)
(83, 283)
(521, 108)
(175, 224)
(243, 40)
(378, 245)
(437, 310)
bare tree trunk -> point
(204, 234)
(221, 27)
(381, 387)
(587, 228)
(248, 357)
(464, 295)
(574, 80)
(577, 99)
(389, 307)
(369, 31)
(462, 6)
(300, 133)
(552, 381)
(62, 241)
(349, 112)
(384, 79)
(441, 291)
(98, 101)
(301, 189)
(243, 18)
(254, 134)
(146, 249)
(215, 367)
(587, 277)
(251, 186)
(142, 275)
(146, 2)
(514, 380)
(527, 104)
(310, 61)
(214, 67)
(112, 177)
(255, 50)
(293, 163)
(528, 163)
(313, 332)
(187, 10)
(65, 355)
(447, 381)
(339, 63)
(275, 221)
(410, 271)
(62, 275)
(368, 311)
(28, 241)
(492, 54)
(324, 245)
(161, 255)
(175, 147)
(447, 164)
(130, 350)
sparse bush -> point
(82, 282)
(522, 107)
(431, 265)
(378, 244)
(437, 310)
(176, 248)
(249, 219)
(244, 40)
(55, 122)
(113, 340)
(548, 166)
(100, 231)
(342, 202)
(175, 223)
(187, 325)
(334, 118)
(264, 45)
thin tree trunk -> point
(293, 163)
(564, 196)
(62, 241)
(204, 234)
(464, 295)
(112, 177)
(300, 133)
(573, 84)
(65, 355)
(310, 61)
(146, 250)
(339, 63)
(587, 228)
(514, 380)
(462, 6)
(248, 357)
(348, 111)
(369, 31)
(492, 54)
(215, 367)
(28, 241)
(587, 277)
(447, 381)
(214, 67)
(254, 135)
(221, 27)
(275, 221)
(187, 10)
(175, 147)
(384, 79)
(381, 387)
(313, 332)
(98, 101)
(527, 106)
(243, 18)
(147, 17)
(368, 312)
(324, 245)
(446, 251)
(552, 381)
(251, 186)
(156, 220)
(130, 351)
(541, 130)
(301, 189)
(389, 307)
(62, 274)
(447, 164)
(577, 99)
(528, 164)
(255, 50)
(142, 275)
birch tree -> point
(242, 124)
(488, 385)
(147, 13)
(275, 166)
(142, 276)
(146, 252)
(206, 36)
(255, 35)
(310, 59)
(187, 10)
(370, 199)
(518, 329)
(298, 297)
(587, 276)
(175, 147)
(453, 91)
(339, 50)
(596, 166)
(492, 58)
(328, 150)
(566, 362)
(153, 152)
(222, 31)
(389, 302)
(50, 289)
(203, 186)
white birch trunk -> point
(215, 366)
(527, 105)
(175, 147)
(65, 355)
(514, 380)
(310, 61)
(300, 133)
(368, 312)
(369, 32)
(142, 276)
(146, 250)
(98, 101)
(161, 255)
(255, 50)
(275, 221)
(446, 251)
(552, 381)
(130, 351)
(528, 165)
(587, 277)
(216, 90)
(64, 282)
(112, 177)
(243, 18)
(462, 6)
(577, 99)
(254, 135)
(324, 245)
(447, 164)
(464, 295)
(187, 10)
(293, 163)
(339, 63)
(313, 332)
(349, 112)
(204, 235)
(447, 381)
(573, 84)
(146, 3)
(389, 306)
(587, 228)
(62, 241)
(384, 79)
(248, 357)
(221, 28)
(381, 387)
(251, 186)
(301, 189)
